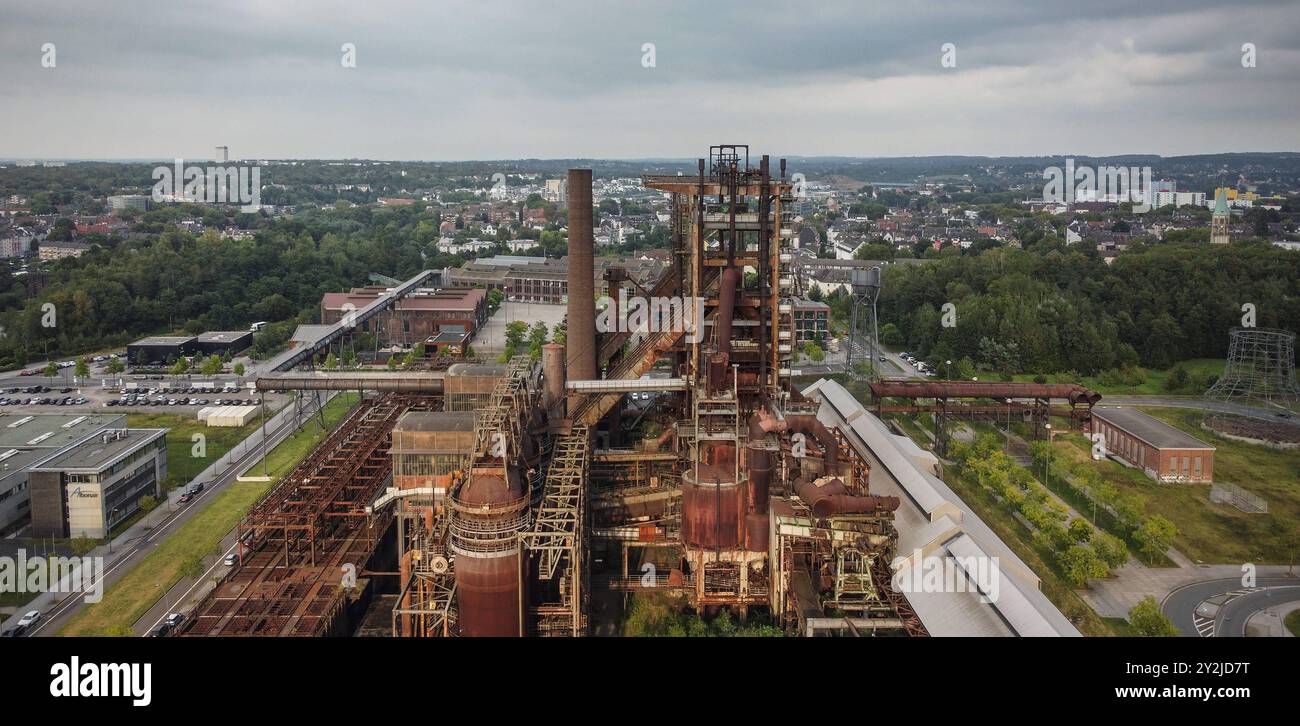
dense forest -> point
(1065, 309)
(176, 281)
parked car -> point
(30, 618)
(14, 632)
(231, 559)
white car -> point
(29, 619)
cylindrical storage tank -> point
(488, 512)
(713, 509)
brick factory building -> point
(423, 315)
(1159, 450)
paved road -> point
(1231, 622)
(1186, 402)
(1180, 605)
(133, 546)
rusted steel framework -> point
(426, 606)
(304, 548)
(1029, 401)
(557, 544)
(1071, 392)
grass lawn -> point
(131, 597)
(1221, 532)
(182, 464)
(1154, 384)
(1216, 533)
(1292, 622)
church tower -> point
(1219, 222)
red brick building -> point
(422, 315)
(1159, 450)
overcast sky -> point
(479, 79)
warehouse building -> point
(1159, 450)
(424, 314)
(430, 445)
(88, 489)
(221, 343)
(160, 349)
(43, 442)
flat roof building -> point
(223, 342)
(1159, 450)
(160, 349)
(31, 442)
(87, 489)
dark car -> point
(14, 632)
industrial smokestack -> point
(580, 339)
(553, 372)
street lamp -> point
(948, 371)
(1047, 462)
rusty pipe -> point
(726, 307)
(833, 498)
(809, 425)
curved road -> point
(1233, 616)
(1180, 605)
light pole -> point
(1047, 461)
(948, 369)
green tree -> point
(83, 369)
(115, 366)
(239, 369)
(211, 365)
(331, 362)
(148, 503)
(51, 370)
(1110, 549)
(515, 332)
(1147, 619)
(536, 339)
(1080, 530)
(181, 367)
(1155, 536)
(1079, 564)
(82, 545)
(1177, 378)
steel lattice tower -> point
(1260, 368)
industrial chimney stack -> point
(580, 340)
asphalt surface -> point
(277, 430)
(1231, 622)
(1180, 605)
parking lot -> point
(48, 398)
